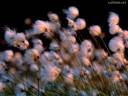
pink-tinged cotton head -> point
(95, 30)
(114, 29)
(113, 18)
(71, 39)
(40, 26)
(80, 24)
(8, 55)
(31, 56)
(116, 44)
(72, 12)
(86, 48)
(50, 73)
(20, 41)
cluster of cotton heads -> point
(113, 21)
(17, 40)
(65, 56)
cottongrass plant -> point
(65, 67)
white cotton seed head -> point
(56, 58)
(20, 41)
(19, 36)
(51, 27)
(86, 48)
(74, 48)
(35, 52)
(50, 73)
(8, 55)
(116, 44)
(31, 56)
(95, 30)
(86, 43)
(23, 45)
(9, 36)
(113, 18)
(72, 39)
(80, 23)
(45, 58)
(54, 73)
(26, 44)
(40, 26)
(72, 12)
(114, 29)
(34, 67)
(53, 17)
